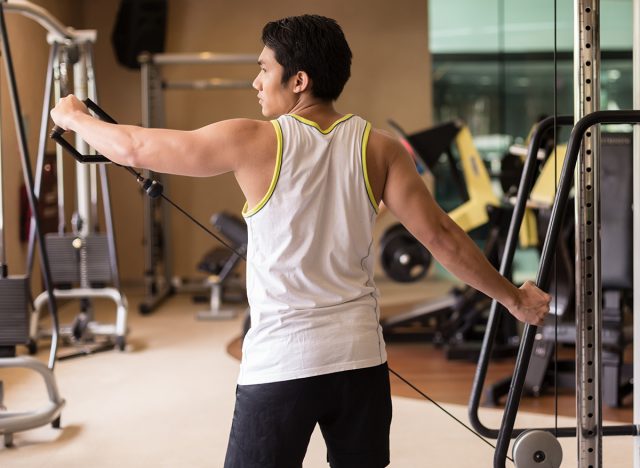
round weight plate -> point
(403, 258)
(537, 449)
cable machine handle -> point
(57, 132)
(153, 188)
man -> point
(313, 179)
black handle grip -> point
(95, 108)
(57, 132)
(153, 188)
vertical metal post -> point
(60, 88)
(156, 213)
(3, 258)
(42, 144)
(83, 178)
(588, 300)
(636, 228)
(146, 71)
(87, 53)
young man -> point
(313, 179)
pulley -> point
(403, 258)
(537, 449)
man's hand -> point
(532, 305)
(64, 111)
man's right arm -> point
(215, 149)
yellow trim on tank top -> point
(365, 140)
(274, 179)
(315, 125)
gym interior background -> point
(419, 63)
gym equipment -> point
(586, 381)
(585, 140)
(617, 248)
(84, 261)
(218, 263)
(152, 188)
(15, 290)
(403, 258)
(537, 449)
(158, 276)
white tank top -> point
(314, 304)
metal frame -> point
(583, 146)
(636, 228)
(158, 262)
(64, 41)
(11, 422)
(587, 206)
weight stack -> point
(65, 259)
(14, 310)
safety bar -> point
(557, 215)
(524, 190)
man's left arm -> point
(406, 195)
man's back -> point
(314, 305)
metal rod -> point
(92, 93)
(211, 83)
(636, 227)
(551, 239)
(202, 58)
(149, 83)
(3, 254)
(524, 189)
(83, 181)
(60, 86)
(41, 16)
(587, 205)
(42, 145)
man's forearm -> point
(455, 251)
(116, 142)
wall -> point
(390, 78)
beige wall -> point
(390, 78)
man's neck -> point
(321, 112)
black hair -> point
(313, 44)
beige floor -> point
(168, 400)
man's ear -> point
(302, 82)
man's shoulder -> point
(383, 141)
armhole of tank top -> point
(365, 173)
(274, 179)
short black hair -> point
(313, 44)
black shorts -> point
(273, 422)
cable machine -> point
(539, 447)
(15, 290)
(158, 264)
(83, 259)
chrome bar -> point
(587, 206)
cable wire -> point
(555, 182)
(424, 395)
